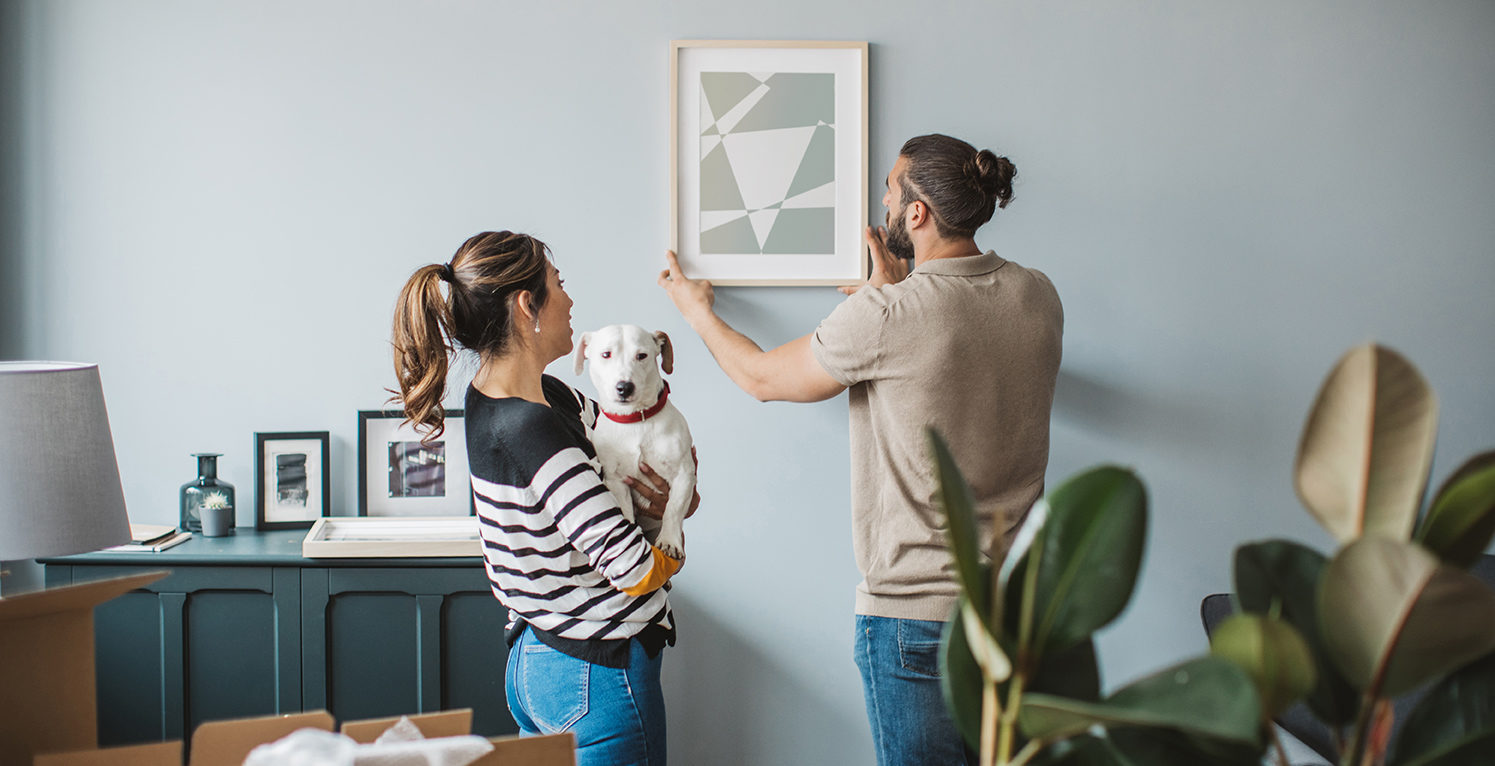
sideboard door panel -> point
(476, 656)
(205, 643)
(384, 642)
(127, 641)
(231, 655)
(371, 639)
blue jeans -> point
(900, 664)
(616, 714)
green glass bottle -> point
(198, 491)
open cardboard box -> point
(228, 743)
(48, 700)
(49, 706)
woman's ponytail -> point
(422, 349)
(476, 313)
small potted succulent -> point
(217, 515)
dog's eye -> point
(606, 355)
(642, 356)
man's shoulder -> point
(865, 303)
(1032, 281)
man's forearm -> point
(787, 373)
(735, 353)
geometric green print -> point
(768, 163)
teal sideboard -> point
(246, 626)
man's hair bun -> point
(993, 175)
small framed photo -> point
(401, 474)
(291, 490)
(768, 155)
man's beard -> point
(898, 242)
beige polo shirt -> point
(971, 347)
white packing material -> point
(400, 745)
(442, 751)
(305, 747)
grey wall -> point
(222, 200)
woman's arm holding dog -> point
(653, 493)
(788, 373)
(589, 518)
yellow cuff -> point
(660, 571)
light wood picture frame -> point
(393, 537)
(768, 161)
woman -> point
(588, 616)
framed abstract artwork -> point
(291, 487)
(768, 154)
(400, 473)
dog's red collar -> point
(639, 417)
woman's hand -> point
(651, 495)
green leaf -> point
(955, 499)
(1461, 520)
(1088, 554)
(1015, 589)
(1365, 452)
(1164, 747)
(983, 645)
(1285, 575)
(1471, 752)
(1084, 750)
(1072, 673)
(1207, 696)
(1394, 618)
(1133, 746)
(1453, 721)
(961, 678)
(1272, 652)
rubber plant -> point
(1393, 609)
(1018, 658)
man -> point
(967, 343)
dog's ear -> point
(581, 351)
(666, 352)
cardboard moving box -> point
(154, 754)
(49, 705)
(48, 700)
(228, 743)
(451, 723)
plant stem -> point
(1026, 754)
(1360, 734)
(1008, 731)
(990, 712)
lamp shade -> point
(59, 482)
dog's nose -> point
(625, 389)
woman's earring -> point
(537, 325)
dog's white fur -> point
(625, 364)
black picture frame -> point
(400, 475)
(292, 486)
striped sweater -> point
(560, 555)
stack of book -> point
(152, 538)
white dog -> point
(638, 423)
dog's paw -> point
(671, 546)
